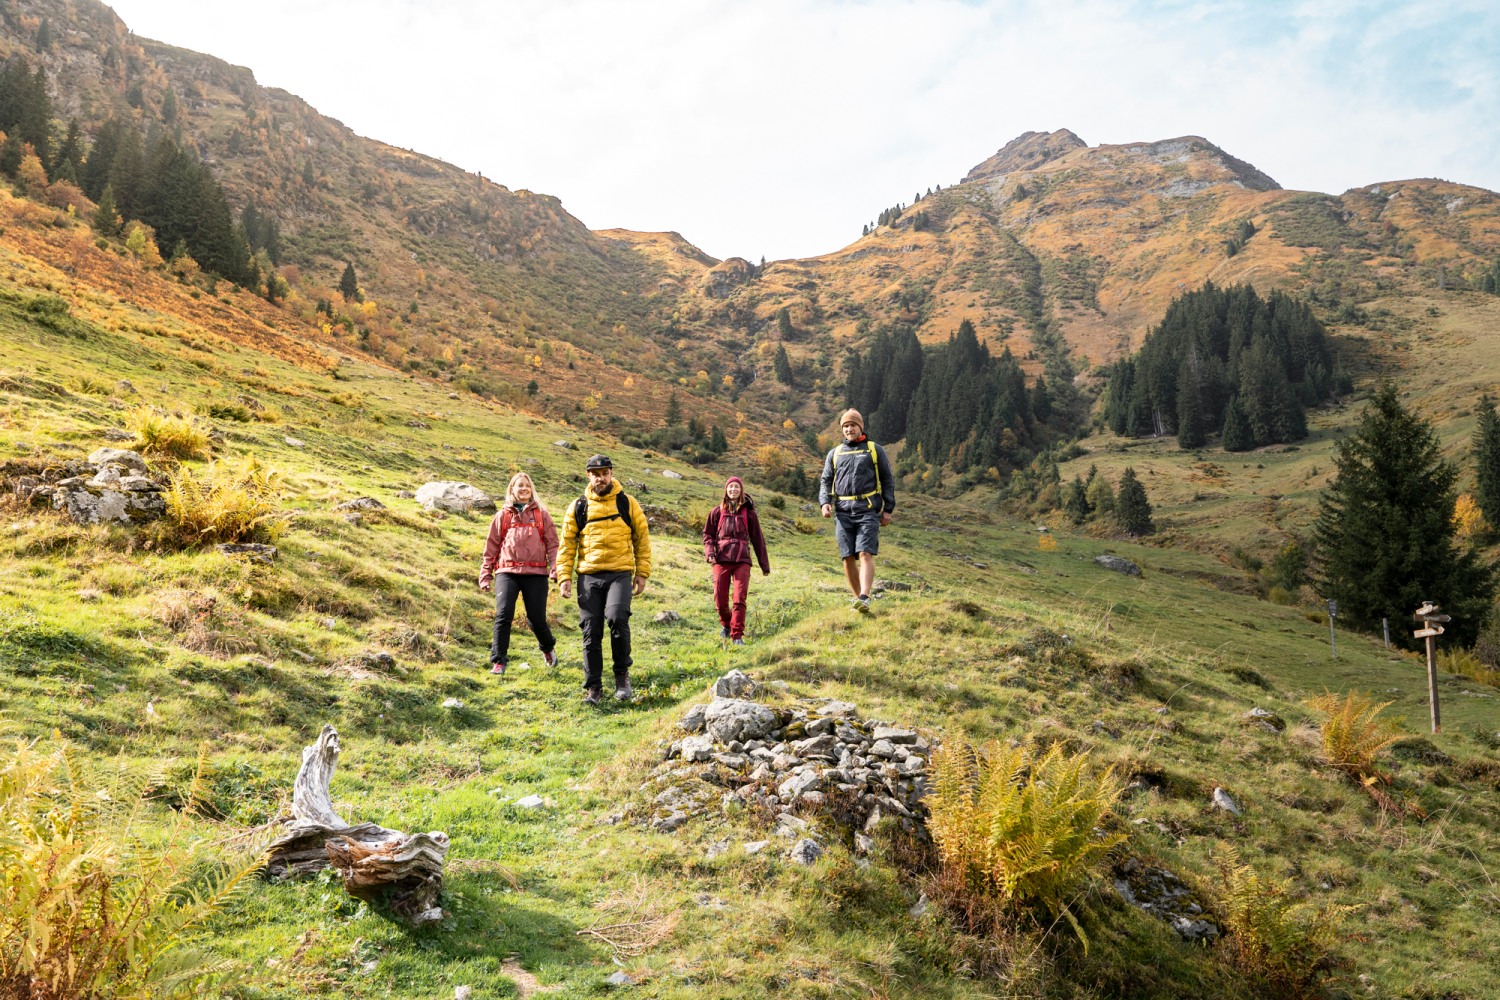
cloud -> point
(779, 127)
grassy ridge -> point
(117, 646)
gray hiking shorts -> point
(857, 531)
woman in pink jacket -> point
(730, 535)
(520, 557)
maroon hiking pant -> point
(731, 616)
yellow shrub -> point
(86, 908)
(1016, 833)
(226, 502)
(1354, 734)
(158, 433)
(1466, 664)
(1281, 943)
(1046, 543)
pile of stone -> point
(811, 765)
(113, 486)
(1162, 894)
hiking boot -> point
(739, 642)
(592, 696)
(862, 604)
(622, 691)
(498, 668)
(724, 632)
(550, 658)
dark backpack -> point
(622, 506)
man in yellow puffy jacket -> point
(605, 539)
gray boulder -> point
(87, 504)
(734, 685)
(1118, 565)
(1264, 718)
(361, 503)
(121, 457)
(806, 851)
(730, 719)
(456, 498)
(693, 721)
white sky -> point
(777, 128)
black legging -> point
(533, 589)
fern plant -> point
(1017, 834)
(157, 433)
(97, 902)
(226, 502)
(1354, 733)
(1283, 943)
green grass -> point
(997, 640)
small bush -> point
(158, 433)
(1280, 943)
(1016, 834)
(226, 502)
(805, 526)
(697, 514)
(87, 908)
(88, 385)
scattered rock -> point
(420, 425)
(292, 442)
(921, 906)
(669, 474)
(462, 992)
(405, 495)
(117, 434)
(253, 550)
(806, 851)
(361, 503)
(456, 498)
(894, 586)
(1267, 720)
(1222, 800)
(693, 721)
(734, 685)
(378, 659)
(530, 802)
(565, 445)
(453, 703)
(1162, 894)
(667, 617)
(618, 979)
(754, 847)
(1118, 565)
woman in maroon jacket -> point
(730, 533)
(520, 556)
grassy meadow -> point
(142, 652)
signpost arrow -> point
(1427, 632)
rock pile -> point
(817, 762)
(114, 485)
(1162, 894)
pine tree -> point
(1237, 436)
(1487, 461)
(784, 323)
(169, 107)
(106, 218)
(1076, 501)
(1132, 509)
(673, 415)
(349, 285)
(783, 365)
(1384, 532)
(717, 442)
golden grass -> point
(166, 435)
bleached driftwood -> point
(403, 870)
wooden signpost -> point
(1431, 618)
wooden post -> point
(1385, 629)
(1431, 617)
(1333, 612)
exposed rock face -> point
(456, 498)
(130, 460)
(1027, 151)
(361, 503)
(1162, 894)
(89, 504)
(722, 279)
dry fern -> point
(1016, 833)
(1354, 734)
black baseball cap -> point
(599, 462)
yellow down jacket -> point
(608, 545)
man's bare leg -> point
(851, 571)
(866, 574)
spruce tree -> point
(349, 285)
(1076, 501)
(1384, 534)
(784, 323)
(783, 365)
(1487, 461)
(106, 218)
(1132, 509)
(673, 416)
(1237, 436)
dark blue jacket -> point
(852, 481)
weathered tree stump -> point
(405, 871)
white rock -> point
(453, 703)
(1223, 801)
(531, 802)
(124, 458)
(453, 497)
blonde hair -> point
(510, 490)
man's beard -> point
(600, 489)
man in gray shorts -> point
(858, 487)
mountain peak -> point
(1027, 151)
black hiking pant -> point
(604, 600)
(533, 590)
